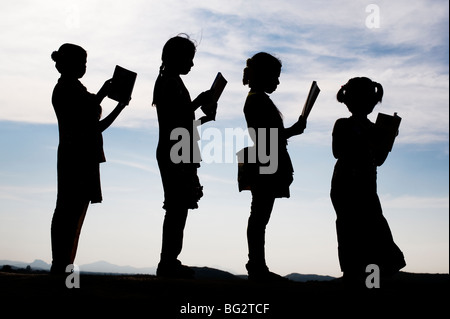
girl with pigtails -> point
(176, 113)
(363, 234)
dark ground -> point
(421, 295)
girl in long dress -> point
(363, 234)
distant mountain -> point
(105, 267)
(305, 278)
(35, 265)
(97, 267)
(300, 277)
(40, 264)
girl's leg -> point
(66, 227)
(173, 232)
(172, 244)
(261, 209)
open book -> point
(389, 124)
(122, 85)
(312, 96)
(217, 88)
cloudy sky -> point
(402, 44)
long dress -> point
(363, 234)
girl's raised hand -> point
(104, 90)
(205, 98)
(300, 125)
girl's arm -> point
(296, 129)
(381, 147)
(207, 118)
(204, 98)
(107, 121)
(337, 144)
(103, 92)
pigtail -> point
(340, 96)
(378, 93)
(247, 72)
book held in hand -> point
(217, 88)
(389, 124)
(122, 84)
(312, 96)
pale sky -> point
(402, 44)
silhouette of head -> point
(360, 94)
(70, 60)
(262, 72)
(178, 54)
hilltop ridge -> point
(104, 267)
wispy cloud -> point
(327, 41)
(137, 165)
(417, 203)
(23, 193)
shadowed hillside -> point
(145, 294)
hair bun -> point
(55, 56)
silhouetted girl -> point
(182, 189)
(363, 233)
(262, 76)
(80, 151)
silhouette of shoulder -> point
(68, 87)
(260, 111)
(255, 101)
(170, 89)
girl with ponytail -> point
(363, 234)
(176, 111)
(266, 127)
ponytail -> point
(155, 88)
(247, 72)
